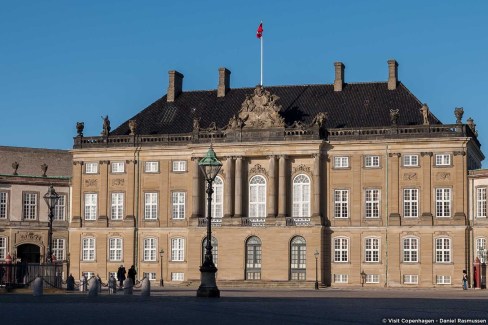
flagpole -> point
(261, 60)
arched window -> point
(257, 197)
(217, 200)
(301, 196)
(410, 249)
(253, 258)
(298, 260)
(443, 250)
(115, 249)
(372, 249)
(215, 249)
(88, 253)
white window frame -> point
(341, 249)
(481, 202)
(59, 246)
(443, 203)
(115, 249)
(301, 196)
(372, 199)
(442, 159)
(117, 206)
(91, 168)
(150, 205)
(151, 167)
(443, 252)
(372, 161)
(410, 202)
(91, 206)
(177, 276)
(4, 204)
(372, 278)
(3, 247)
(217, 200)
(117, 167)
(443, 279)
(30, 201)
(151, 276)
(481, 243)
(60, 208)
(341, 162)
(88, 245)
(179, 166)
(410, 160)
(150, 246)
(410, 279)
(372, 249)
(341, 278)
(410, 248)
(341, 204)
(178, 202)
(257, 197)
(178, 249)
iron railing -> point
(22, 274)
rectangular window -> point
(372, 161)
(91, 168)
(150, 249)
(60, 209)
(115, 249)
(341, 249)
(178, 203)
(341, 278)
(88, 274)
(30, 206)
(151, 166)
(117, 167)
(58, 249)
(443, 202)
(443, 250)
(372, 250)
(410, 250)
(117, 208)
(372, 198)
(372, 278)
(443, 279)
(410, 279)
(410, 160)
(481, 249)
(3, 205)
(410, 203)
(179, 165)
(151, 276)
(443, 160)
(88, 253)
(481, 202)
(91, 206)
(177, 276)
(3, 248)
(178, 249)
(341, 203)
(151, 206)
(341, 162)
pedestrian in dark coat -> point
(121, 275)
(132, 274)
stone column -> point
(458, 210)
(427, 189)
(76, 203)
(130, 195)
(272, 187)
(282, 187)
(229, 188)
(238, 188)
(196, 213)
(392, 197)
(103, 197)
(316, 186)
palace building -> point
(361, 176)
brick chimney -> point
(392, 74)
(175, 85)
(224, 82)
(339, 76)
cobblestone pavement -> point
(255, 306)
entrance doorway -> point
(29, 253)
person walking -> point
(465, 280)
(121, 275)
(132, 274)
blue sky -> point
(68, 61)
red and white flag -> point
(259, 33)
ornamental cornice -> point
(258, 169)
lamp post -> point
(316, 254)
(161, 253)
(210, 166)
(51, 198)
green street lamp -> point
(51, 198)
(316, 254)
(210, 166)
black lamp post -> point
(161, 253)
(316, 254)
(210, 166)
(51, 198)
